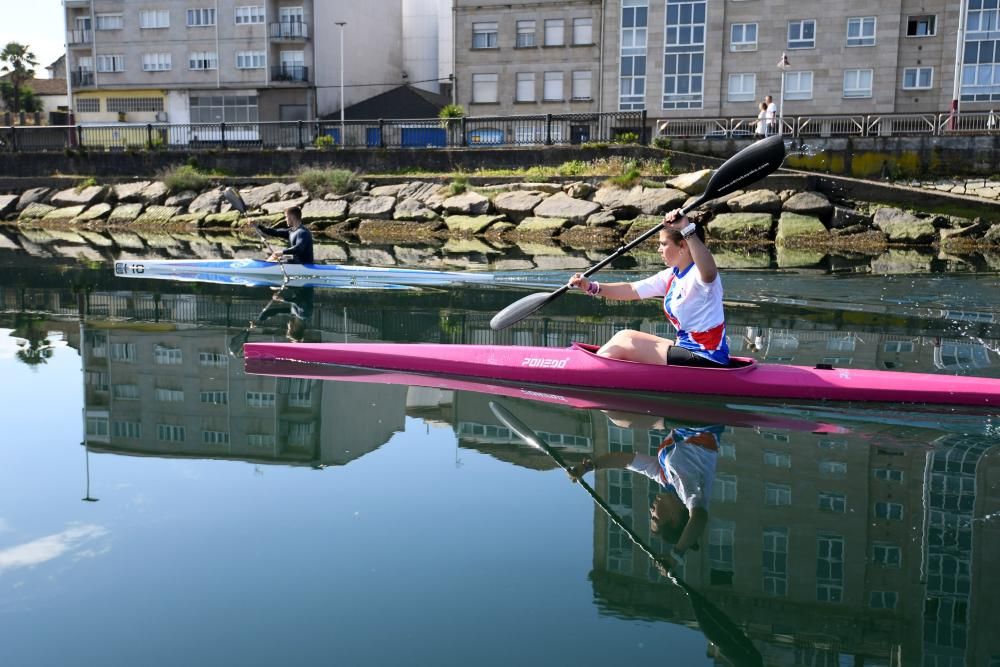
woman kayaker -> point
(692, 300)
(684, 467)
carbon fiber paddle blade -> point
(749, 165)
(521, 308)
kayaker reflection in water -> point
(297, 302)
(692, 300)
(684, 467)
(300, 240)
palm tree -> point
(20, 63)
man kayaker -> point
(692, 300)
(298, 303)
(300, 240)
(684, 467)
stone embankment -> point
(576, 213)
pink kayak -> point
(671, 407)
(579, 366)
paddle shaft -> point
(234, 199)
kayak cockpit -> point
(735, 363)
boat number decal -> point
(538, 362)
(538, 394)
(125, 267)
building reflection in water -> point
(863, 548)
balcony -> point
(79, 37)
(81, 78)
(289, 73)
(289, 31)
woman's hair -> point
(763, 106)
(676, 237)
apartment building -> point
(185, 62)
(683, 58)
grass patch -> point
(179, 178)
(319, 182)
(88, 182)
(459, 185)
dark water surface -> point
(161, 506)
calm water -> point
(161, 506)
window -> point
(109, 22)
(918, 78)
(525, 87)
(583, 31)
(554, 32)
(215, 397)
(300, 393)
(829, 443)
(743, 37)
(124, 429)
(832, 468)
(484, 35)
(249, 14)
(742, 87)
(88, 104)
(97, 426)
(829, 568)
(777, 495)
(250, 60)
(203, 60)
(581, 85)
(170, 356)
(169, 433)
(260, 399)
(215, 437)
(777, 459)
(525, 34)
(802, 34)
(169, 395)
(632, 71)
(484, 88)
(898, 346)
(197, 18)
(154, 18)
(552, 90)
(123, 352)
(258, 440)
(833, 502)
(857, 83)
(684, 55)
(724, 488)
(926, 25)
(721, 543)
(887, 555)
(883, 599)
(136, 104)
(887, 510)
(212, 359)
(156, 62)
(125, 392)
(888, 474)
(861, 31)
(798, 85)
(775, 561)
(216, 109)
(111, 63)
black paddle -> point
(234, 199)
(718, 627)
(751, 164)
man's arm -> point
(281, 233)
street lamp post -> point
(343, 137)
(783, 66)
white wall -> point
(446, 39)
(420, 43)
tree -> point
(20, 64)
(28, 101)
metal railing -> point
(81, 78)
(79, 37)
(289, 73)
(292, 30)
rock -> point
(95, 239)
(321, 209)
(540, 226)
(95, 212)
(293, 190)
(155, 193)
(797, 257)
(970, 230)
(418, 190)
(378, 208)
(8, 204)
(35, 211)
(470, 224)
(848, 217)
(264, 194)
(156, 215)
(579, 190)
(468, 246)
(372, 257)
(181, 199)
(657, 201)
(85, 196)
(124, 214)
(561, 205)
(902, 261)
(207, 201)
(408, 256)
(192, 220)
(517, 205)
(7, 244)
(992, 235)
(413, 209)
(809, 203)
(467, 203)
(64, 214)
(32, 196)
(513, 265)
(129, 192)
(548, 188)
(621, 203)
(902, 227)
(793, 227)
(755, 201)
(742, 258)
(741, 227)
(568, 263)
(887, 214)
(224, 219)
(387, 190)
(127, 240)
(283, 205)
(330, 253)
(693, 183)
(601, 219)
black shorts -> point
(681, 356)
